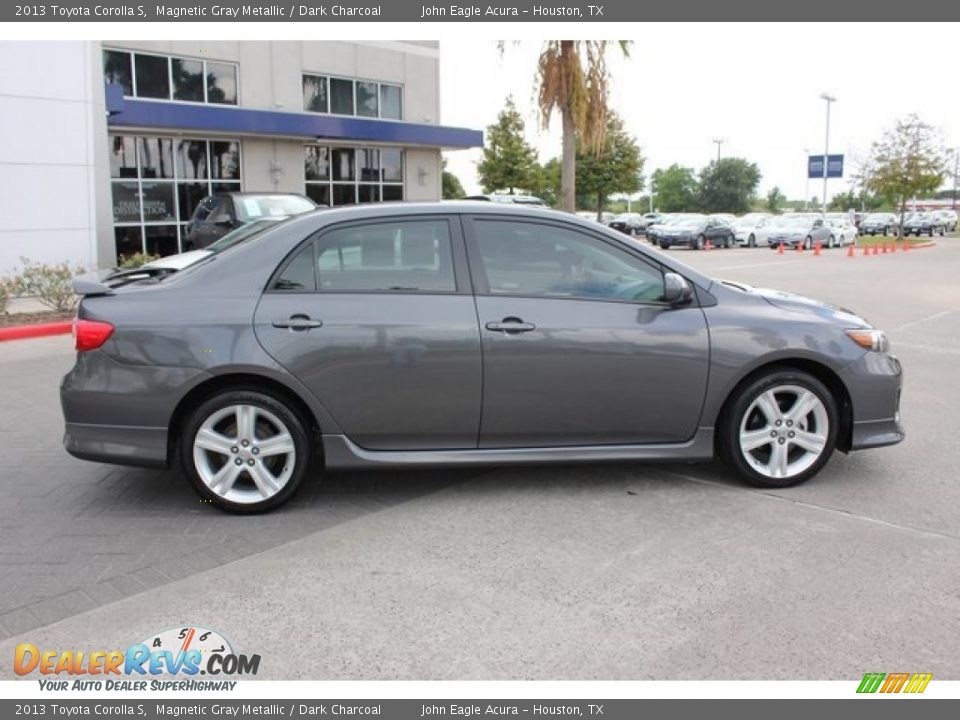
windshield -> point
(243, 233)
(689, 222)
(251, 207)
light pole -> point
(718, 142)
(806, 172)
(826, 154)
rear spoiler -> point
(89, 288)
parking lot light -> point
(826, 154)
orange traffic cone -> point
(850, 250)
(800, 247)
(874, 248)
(866, 250)
(780, 249)
(884, 251)
(709, 245)
(906, 246)
(893, 246)
(816, 248)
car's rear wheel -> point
(245, 451)
(780, 429)
(752, 242)
(699, 242)
(808, 243)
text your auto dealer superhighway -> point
(288, 11)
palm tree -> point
(572, 78)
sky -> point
(757, 86)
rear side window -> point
(298, 275)
(395, 256)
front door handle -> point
(297, 322)
(511, 325)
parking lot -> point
(621, 571)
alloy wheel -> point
(784, 431)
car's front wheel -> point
(245, 451)
(780, 429)
(752, 242)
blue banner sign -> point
(834, 166)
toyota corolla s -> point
(424, 335)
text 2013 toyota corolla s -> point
(463, 334)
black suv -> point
(216, 215)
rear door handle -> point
(297, 322)
(511, 325)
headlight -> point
(875, 340)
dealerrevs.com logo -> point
(185, 652)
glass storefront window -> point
(159, 184)
(341, 96)
(165, 77)
(156, 157)
(187, 79)
(116, 70)
(123, 157)
(153, 76)
(221, 83)
(391, 106)
(358, 175)
(314, 93)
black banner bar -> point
(858, 11)
(853, 709)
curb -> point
(23, 332)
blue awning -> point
(160, 115)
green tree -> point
(452, 188)
(727, 185)
(572, 79)
(674, 189)
(547, 187)
(509, 161)
(618, 168)
(775, 200)
(909, 160)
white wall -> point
(51, 116)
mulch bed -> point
(36, 318)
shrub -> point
(52, 285)
(6, 290)
(137, 259)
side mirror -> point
(676, 290)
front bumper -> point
(875, 383)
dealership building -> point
(110, 146)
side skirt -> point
(342, 454)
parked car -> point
(948, 218)
(174, 263)
(695, 232)
(844, 231)
(531, 200)
(879, 224)
(924, 223)
(801, 229)
(361, 337)
(628, 223)
(650, 219)
(750, 230)
(218, 214)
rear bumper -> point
(121, 444)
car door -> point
(577, 347)
(377, 319)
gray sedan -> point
(803, 230)
(462, 334)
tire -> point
(808, 243)
(752, 241)
(270, 419)
(699, 243)
(832, 242)
(729, 242)
(886, 231)
(931, 232)
(778, 461)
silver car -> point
(462, 334)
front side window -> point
(399, 256)
(536, 260)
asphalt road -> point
(588, 572)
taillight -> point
(90, 334)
